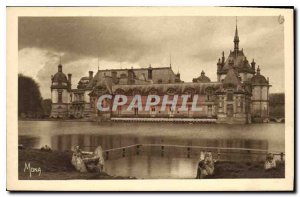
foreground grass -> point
(56, 165)
(247, 170)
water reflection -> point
(90, 142)
(155, 161)
(152, 167)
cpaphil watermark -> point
(137, 102)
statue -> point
(206, 165)
(88, 162)
(270, 162)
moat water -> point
(156, 161)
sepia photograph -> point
(151, 94)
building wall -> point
(86, 96)
(54, 96)
(59, 110)
(206, 109)
(233, 109)
(65, 95)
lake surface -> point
(157, 161)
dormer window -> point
(171, 91)
(230, 95)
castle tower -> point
(239, 60)
(260, 97)
(60, 86)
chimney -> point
(91, 75)
(130, 76)
(59, 68)
(70, 79)
(150, 73)
(114, 76)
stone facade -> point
(240, 94)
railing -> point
(165, 119)
(215, 150)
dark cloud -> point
(78, 37)
(195, 44)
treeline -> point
(30, 102)
(277, 105)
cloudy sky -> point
(195, 44)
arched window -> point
(60, 96)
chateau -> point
(240, 94)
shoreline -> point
(56, 165)
(139, 122)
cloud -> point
(195, 44)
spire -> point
(170, 61)
(223, 58)
(59, 67)
(236, 37)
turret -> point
(60, 87)
(59, 68)
(90, 75)
(219, 64)
(253, 64)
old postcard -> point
(150, 99)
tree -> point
(277, 104)
(29, 98)
(46, 107)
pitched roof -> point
(232, 77)
(239, 61)
(159, 75)
(177, 88)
